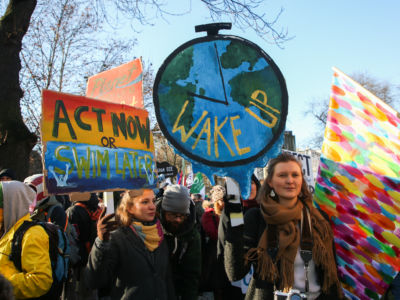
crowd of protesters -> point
(169, 244)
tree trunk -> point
(16, 141)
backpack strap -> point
(16, 243)
(49, 213)
(82, 205)
(85, 207)
(96, 214)
(66, 224)
(93, 214)
(88, 245)
(52, 231)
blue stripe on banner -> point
(84, 168)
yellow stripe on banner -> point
(334, 152)
(391, 238)
(349, 185)
(375, 181)
(395, 195)
(389, 208)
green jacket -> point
(185, 256)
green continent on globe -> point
(245, 83)
(177, 69)
(237, 53)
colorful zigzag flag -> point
(358, 185)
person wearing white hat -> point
(45, 208)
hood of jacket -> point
(187, 226)
(17, 196)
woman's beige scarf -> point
(286, 220)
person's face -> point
(253, 191)
(286, 182)
(175, 220)
(143, 208)
(195, 198)
(5, 178)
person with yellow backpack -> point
(34, 279)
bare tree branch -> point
(245, 14)
(61, 53)
(67, 42)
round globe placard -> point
(220, 100)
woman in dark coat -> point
(272, 237)
(132, 260)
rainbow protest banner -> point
(123, 84)
(358, 185)
(91, 145)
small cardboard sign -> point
(166, 169)
(123, 84)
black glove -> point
(105, 225)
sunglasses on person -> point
(173, 215)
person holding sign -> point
(288, 242)
(130, 256)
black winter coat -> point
(185, 255)
(129, 269)
(85, 228)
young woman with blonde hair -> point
(130, 255)
(288, 242)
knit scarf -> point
(286, 219)
(151, 235)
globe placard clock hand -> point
(188, 96)
(220, 73)
(206, 98)
(222, 80)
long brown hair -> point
(219, 206)
(266, 189)
(127, 201)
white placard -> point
(108, 198)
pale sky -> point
(353, 35)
